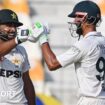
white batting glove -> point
(22, 35)
(44, 36)
(38, 30)
(32, 37)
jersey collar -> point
(93, 33)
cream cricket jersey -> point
(88, 55)
(12, 67)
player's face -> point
(7, 31)
(76, 25)
(80, 19)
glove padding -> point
(22, 35)
(37, 31)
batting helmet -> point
(88, 7)
(8, 16)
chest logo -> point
(16, 60)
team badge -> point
(16, 60)
(13, 16)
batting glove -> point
(22, 35)
(39, 32)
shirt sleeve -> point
(26, 64)
(73, 55)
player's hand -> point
(22, 35)
(38, 31)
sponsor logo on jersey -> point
(8, 73)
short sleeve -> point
(26, 64)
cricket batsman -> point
(87, 54)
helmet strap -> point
(5, 37)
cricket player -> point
(87, 54)
(15, 85)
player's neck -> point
(89, 29)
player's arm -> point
(40, 33)
(6, 47)
(50, 57)
(29, 89)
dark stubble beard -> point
(79, 30)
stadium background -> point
(57, 87)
